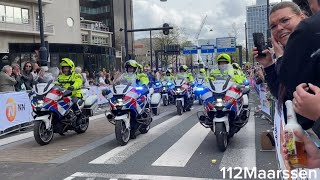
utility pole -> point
(268, 11)
(246, 36)
(151, 54)
(125, 29)
(43, 50)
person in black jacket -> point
(291, 34)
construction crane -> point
(200, 28)
(198, 35)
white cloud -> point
(188, 14)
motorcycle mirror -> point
(240, 86)
(246, 91)
(151, 90)
(67, 93)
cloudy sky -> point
(188, 14)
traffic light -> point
(166, 31)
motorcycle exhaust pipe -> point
(245, 115)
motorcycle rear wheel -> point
(200, 101)
(144, 129)
(82, 128)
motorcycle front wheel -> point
(179, 107)
(165, 101)
(122, 133)
(221, 136)
(42, 135)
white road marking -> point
(27, 135)
(179, 153)
(121, 153)
(132, 176)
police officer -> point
(71, 81)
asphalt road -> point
(176, 147)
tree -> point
(175, 37)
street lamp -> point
(43, 49)
(126, 27)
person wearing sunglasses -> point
(27, 75)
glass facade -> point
(256, 21)
(12, 14)
(110, 13)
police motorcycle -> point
(183, 95)
(200, 84)
(166, 93)
(52, 111)
(155, 97)
(224, 110)
(129, 109)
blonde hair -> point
(78, 70)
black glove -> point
(71, 88)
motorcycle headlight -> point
(139, 88)
(40, 103)
(169, 84)
(220, 103)
(119, 102)
(179, 90)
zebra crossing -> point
(95, 176)
(149, 154)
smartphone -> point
(258, 40)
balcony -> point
(36, 1)
(94, 27)
(30, 27)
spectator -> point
(101, 79)
(107, 79)
(305, 103)
(84, 76)
(27, 76)
(6, 81)
(35, 72)
(16, 74)
(284, 20)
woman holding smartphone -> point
(284, 19)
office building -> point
(256, 21)
(111, 14)
(86, 42)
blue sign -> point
(190, 50)
(207, 49)
(226, 44)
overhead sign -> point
(190, 50)
(206, 49)
(226, 44)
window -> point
(84, 38)
(17, 18)
(2, 13)
(14, 14)
(25, 16)
(9, 14)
